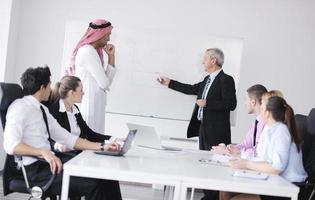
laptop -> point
(125, 147)
(148, 138)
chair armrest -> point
(35, 191)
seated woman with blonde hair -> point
(62, 106)
(279, 148)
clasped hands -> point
(235, 162)
(201, 102)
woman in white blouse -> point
(88, 64)
(279, 149)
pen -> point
(158, 76)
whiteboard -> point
(140, 53)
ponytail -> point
(289, 120)
(55, 95)
(62, 88)
(283, 112)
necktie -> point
(203, 96)
(206, 88)
(255, 132)
(51, 141)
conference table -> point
(218, 177)
(178, 169)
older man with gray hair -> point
(215, 99)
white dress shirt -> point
(25, 124)
(277, 148)
(74, 127)
(212, 77)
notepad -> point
(250, 174)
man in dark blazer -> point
(215, 99)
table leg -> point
(168, 192)
(65, 186)
(171, 196)
(192, 193)
(176, 192)
(183, 192)
(294, 197)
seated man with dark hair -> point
(30, 130)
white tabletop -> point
(209, 176)
(138, 165)
(138, 162)
(169, 168)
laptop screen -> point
(126, 146)
(128, 141)
(146, 135)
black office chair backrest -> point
(305, 126)
(10, 92)
(311, 122)
(301, 126)
(310, 162)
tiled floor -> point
(129, 192)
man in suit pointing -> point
(215, 99)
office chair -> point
(306, 127)
(12, 178)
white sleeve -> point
(13, 132)
(280, 155)
(110, 72)
(261, 146)
(59, 134)
(92, 63)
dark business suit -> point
(86, 131)
(220, 100)
(214, 128)
(110, 189)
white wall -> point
(8, 18)
(5, 13)
(13, 40)
(279, 43)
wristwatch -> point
(102, 146)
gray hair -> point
(217, 54)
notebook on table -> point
(251, 175)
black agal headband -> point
(95, 26)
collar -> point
(259, 118)
(33, 101)
(273, 126)
(62, 107)
(214, 74)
